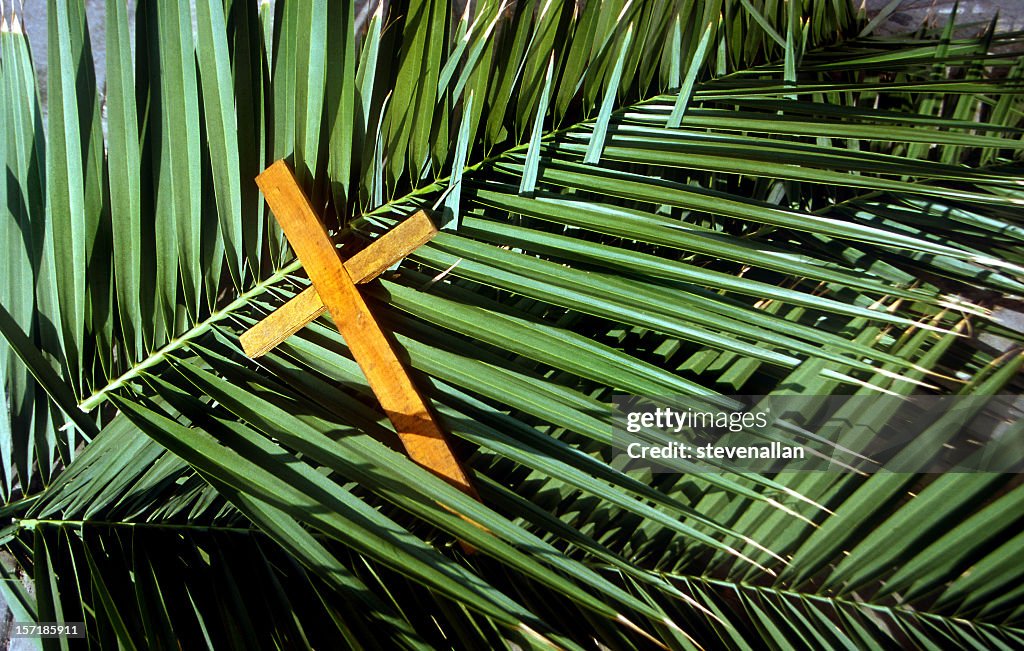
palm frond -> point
(698, 199)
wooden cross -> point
(334, 289)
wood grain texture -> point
(363, 267)
(417, 428)
(282, 323)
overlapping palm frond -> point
(694, 198)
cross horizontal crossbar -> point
(363, 267)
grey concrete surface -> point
(909, 15)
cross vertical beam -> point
(417, 428)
